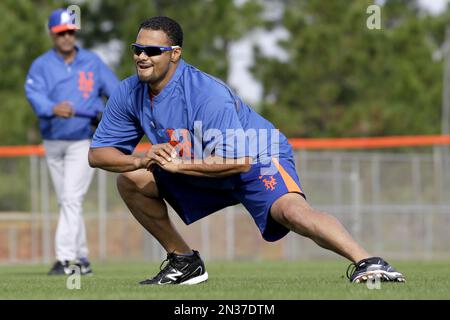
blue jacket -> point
(83, 82)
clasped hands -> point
(163, 155)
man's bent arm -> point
(214, 167)
(112, 159)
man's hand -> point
(161, 154)
(172, 166)
(63, 109)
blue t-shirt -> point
(196, 112)
(83, 83)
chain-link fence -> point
(396, 204)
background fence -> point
(395, 202)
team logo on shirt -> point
(183, 145)
(269, 183)
(86, 83)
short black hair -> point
(170, 27)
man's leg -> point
(139, 191)
(292, 211)
(70, 237)
(55, 151)
(78, 177)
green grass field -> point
(229, 280)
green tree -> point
(209, 27)
(342, 79)
(24, 38)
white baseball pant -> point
(71, 176)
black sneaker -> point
(180, 270)
(371, 268)
(60, 268)
(85, 267)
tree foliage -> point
(209, 28)
(24, 37)
(342, 79)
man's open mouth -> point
(144, 66)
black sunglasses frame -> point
(150, 51)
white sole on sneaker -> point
(383, 275)
(196, 280)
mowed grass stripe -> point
(229, 280)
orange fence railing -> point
(297, 143)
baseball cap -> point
(60, 20)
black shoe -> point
(60, 268)
(85, 267)
(371, 268)
(180, 270)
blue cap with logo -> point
(60, 20)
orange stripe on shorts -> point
(288, 181)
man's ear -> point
(176, 55)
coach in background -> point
(65, 86)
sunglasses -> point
(63, 33)
(150, 51)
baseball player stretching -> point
(202, 160)
(65, 86)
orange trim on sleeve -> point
(288, 181)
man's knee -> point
(299, 218)
(139, 181)
(297, 214)
(124, 184)
(70, 200)
(304, 221)
(288, 208)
